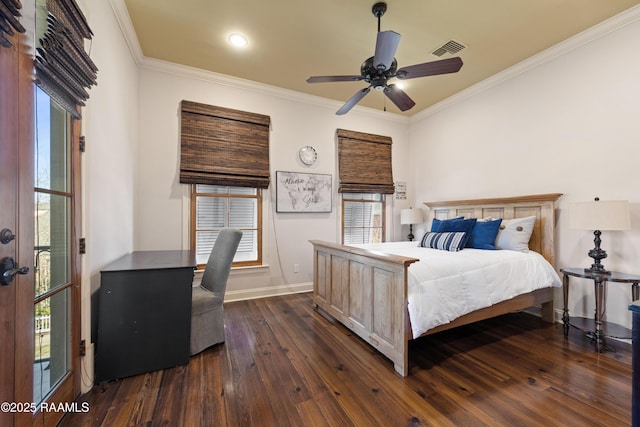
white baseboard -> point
(557, 315)
(270, 291)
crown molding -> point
(126, 27)
(261, 88)
(587, 36)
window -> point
(365, 172)
(55, 288)
(215, 207)
(224, 156)
(362, 218)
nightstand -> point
(635, 365)
(600, 281)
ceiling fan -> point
(381, 67)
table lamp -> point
(411, 216)
(599, 215)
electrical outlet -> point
(296, 268)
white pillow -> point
(514, 234)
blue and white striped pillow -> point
(447, 241)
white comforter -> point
(446, 285)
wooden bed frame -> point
(367, 290)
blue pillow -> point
(483, 235)
(436, 223)
(445, 241)
(458, 224)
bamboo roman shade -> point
(63, 68)
(221, 146)
(9, 13)
(364, 163)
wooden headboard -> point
(540, 205)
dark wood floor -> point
(286, 364)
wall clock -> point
(308, 155)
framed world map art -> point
(303, 192)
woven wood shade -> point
(364, 163)
(9, 12)
(63, 68)
(221, 146)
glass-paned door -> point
(52, 247)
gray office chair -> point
(207, 322)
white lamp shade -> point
(600, 215)
(411, 216)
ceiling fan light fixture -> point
(379, 83)
(238, 40)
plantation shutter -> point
(364, 163)
(63, 69)
(357, 217)
(221, 146)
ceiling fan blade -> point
(399, 97)
(353, 101)
(329, 79)
(386, 45)
(445, 66)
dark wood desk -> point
(600, 281)
(635, 365)
(144, 313)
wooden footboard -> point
(367, 290)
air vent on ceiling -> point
(451, 47)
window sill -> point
(249, 269)
(239, 271)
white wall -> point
(108, 165)
(570, 125)
(162, 203)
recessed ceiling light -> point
(238, 40)
(401, 85)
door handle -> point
(8, 270)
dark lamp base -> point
(597, 254)
(410, 236)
